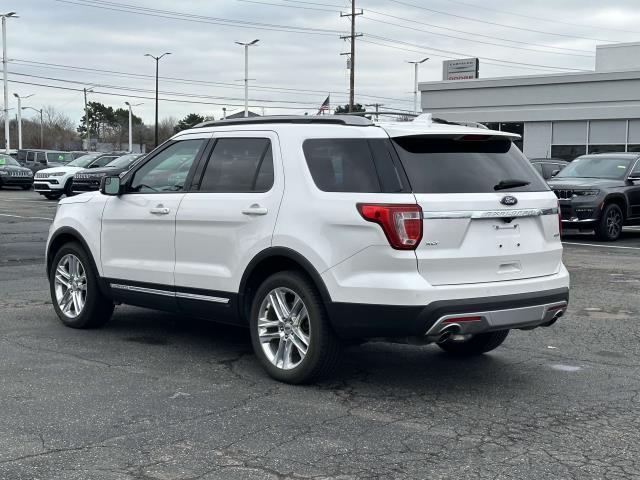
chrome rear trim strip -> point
(529, 212)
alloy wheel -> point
(614, 223)
(283, 328)
(70, 285)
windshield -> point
(59, 157)
(599, 166)
(83, 161)
(7, 160)
(124, 161)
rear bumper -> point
(460, 316)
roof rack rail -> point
(350, 120)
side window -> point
(31, 157)
(548, 169)
(341, 165)
(538, 167)
(40, 157)
(239, 165)
(103, 161)
(168, 170)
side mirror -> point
(555, 172)
(110, 185)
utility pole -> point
(157, 59)
(86, 117)
(352, 52)
(246, 74)
(19, 117)
(415, 83)
(377, 105)
(4, 78)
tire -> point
(52, 196)
(609, 226)
(68, 188)
(323, 348)
(476, 345)
(96, 309)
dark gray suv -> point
(600, 192)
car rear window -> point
(445, 165)
(354, 165)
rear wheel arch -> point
(268, 262)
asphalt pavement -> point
(158, 396)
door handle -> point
(160, 210)
(255, 209)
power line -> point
(265, 88)
(391, 40)
(507, 12)
(172, 15)
(384, 14)
(400, 2)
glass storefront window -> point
(605, 148)
(568, 152)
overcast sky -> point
(114, 38)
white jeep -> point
(313, 231)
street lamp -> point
(130, 125)
(41, 124)
(157, 59)
(415, 84)
(246, 74)
(20, 117)
(4, 77)
(86, 117)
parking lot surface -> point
(159, 396)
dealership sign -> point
(463, 69)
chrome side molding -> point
(166, 293)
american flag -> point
(325, 106)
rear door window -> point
(446, 165)
(239, 165)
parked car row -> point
(60, 178)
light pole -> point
(130, 125)
(246, 74)
(415, 83)
(41, 124)
(4, 77)
(86, 117)
(157, 59)
(20, 117)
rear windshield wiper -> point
(510, 183)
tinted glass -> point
(40, 157)
(636, 170)
(548, 169)
(239, 165)
(31, 156)
(601, 166)
(83, 161)
(59, 157)
(341, 165)
(7, 160)
(22, 156)
(605, 148)
(443, 165)
(538, 167)
(168, 170)
(103, 161)
(124, 161)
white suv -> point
(313, 231)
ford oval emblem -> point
(509, 200)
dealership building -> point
(559, 115)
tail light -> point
(402, 224)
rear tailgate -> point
(477, 229)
